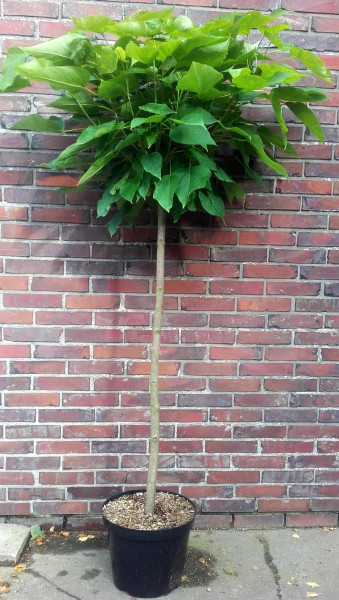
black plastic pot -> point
(146, 563)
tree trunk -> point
(155, 357)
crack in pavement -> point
(59, 589)
(271, 565)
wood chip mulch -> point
(128, 511)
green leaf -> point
(94, 23)
(59, 78)
(275, 101)
(294, 94)
(106, 158)
(221, 175)
(111, 88)
(157, 109)
(71, 103)
(10, 81)
(105, 203)
(145, 54)
(190, 179)
(165, 189)
(107, 59)
(141, 121)
(308, 118)
(245, 80)
(259, 150)
(36, 531)
(143, 188)
(196, 116)
(37, 123)
(202, 159)
(194, 135)
(212, 204)
(199, 78)
(69, 47)
(93, 132)
(131, 184)
(213, 54)
(272, 139)
(166, 49)
(117, 219)
(312, 62)
(152, 163)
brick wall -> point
(250, 419)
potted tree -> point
(153, 98)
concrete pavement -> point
(283, 564)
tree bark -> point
(155, 357)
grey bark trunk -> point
(155, 357)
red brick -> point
(295, 288)
(270, 271)
(210, 270)
(52, 29)
(13, 213)
(60, 284)
(16, 178)
(29, 232)
(296, 256)
(32, 399)
(62, 383)
(258, 521)
(60, 215)
(316, 6)
(234, 385)
(264, 238)
(304, 187)
(236, 287)
(120, 286)
(283, 505)
(267, 202)
(311, 520)
(263, 337)
(16, 27)
(31, 9)
(9, 282)
(290, 385)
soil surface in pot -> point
(128, 511)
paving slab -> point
(234, 565)
(13, 539)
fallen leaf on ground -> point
(4, 587)
(312, 595)
(255, 568)
(295, 535)
(326, 529)
(64, 533)
(202, 560)
(83, 537)
(229, 570)
(20, 567)
(312, 584)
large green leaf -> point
(105, 202)
(199, 79)
(152, 163)
(312, 62)
(190, 179)
(93, 132)
(308, 118)
(76, 103)
(94, 23)
(165, 189)
(157, 109)
(196, 116)
(142, 121)
(213, 54)
(246, 81)
(70, 47)
(145, 54)
(259, 150)
(10, 81)
(38, 123)
(212, 204)
(118, 218)
(106, 158)
(59, 78)
(107, 58)
(111, 88)
(294, 94)
(193, 135)
(276, 105)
